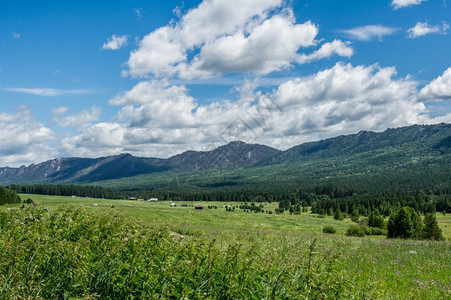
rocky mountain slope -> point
(416, 140)
(84, 170)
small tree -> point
(338, 215)
(355, 216)
(406, 223)
(431, 231)
(376, 220)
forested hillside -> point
(364, 171)
(8, 196)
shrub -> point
(28, 201)
(355, 216)
(355, 230)
(338, 215)
(377, 231)
(376, 220)
(329, 229)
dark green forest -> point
(359, 173)
(8, 196)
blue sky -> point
(155, 78)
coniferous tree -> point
(431, 231)
(355, 216)
(406, 224)
(376, 220)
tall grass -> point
(75, 252)
(70, 252)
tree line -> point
(326, 199)
(67, 190)
(8, 196)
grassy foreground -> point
(68, 248)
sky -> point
(156, 78)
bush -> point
(355, 216)
(376, 220)
(356, 230)
(338, 215)
(377, 231)
(28, 201)
(329, 229)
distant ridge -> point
(434, 140)
(365, 141)
(85, 170)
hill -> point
(86, 170)
(412, 157)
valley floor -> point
(152, 250)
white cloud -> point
(16, 35)
(328, 49)
(138, 13)
(369, 32)
(24, 139)
(220, 37)
(421, 29)
(159, 119)
(149, 91)
(60, 110)
(345, 98)
(79, 119)
(115, 42)
(396, 4)
(96, 140)
(48, 92)
(271, 46)
(439, 88)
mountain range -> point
(390, 150)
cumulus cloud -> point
(78, 119)
(96, 140)
(115, 42)
(421, 29)
(219, 37)
(369, 32)
(439, 88)
(24, 139)
(397, 4)
(271, 46)
(148, 91)
(160, 119)
(328, 49)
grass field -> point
(210, 253)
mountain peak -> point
(233, 154)
(236, 143)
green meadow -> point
(82, 248)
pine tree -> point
(405, 224)
(355, 216)
(376, 220)
(431, 231)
